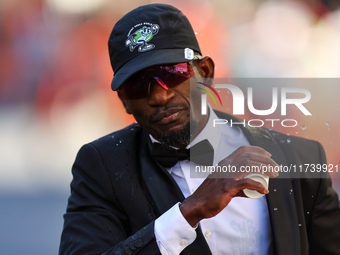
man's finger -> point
(249, 184)
(248, 149)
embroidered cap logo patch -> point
(139, 36)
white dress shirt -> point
(242, 228)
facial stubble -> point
(181, 137)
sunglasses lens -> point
(137, 86)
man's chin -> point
(178, 138)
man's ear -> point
(122, 99)
(206, 67)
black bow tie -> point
(201, 153)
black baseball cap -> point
(150, 35)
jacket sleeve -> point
(95, 223)
(324, 228)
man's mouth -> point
(164, 118)
(169, 119)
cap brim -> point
(145, 60)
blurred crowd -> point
(55, 72)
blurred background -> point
(55, 92)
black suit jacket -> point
(118, 191)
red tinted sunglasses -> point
(138, 86)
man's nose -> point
(159, 93)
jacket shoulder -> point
(118, 149)
(296, 149)
(298, 146)
(127, 134)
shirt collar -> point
(209, 132)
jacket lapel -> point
(163, 192)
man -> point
(130, 197)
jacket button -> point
(128, 251)
(138, 243)
(132, 246)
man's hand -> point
(215, 193)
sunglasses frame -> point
(154, 78)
